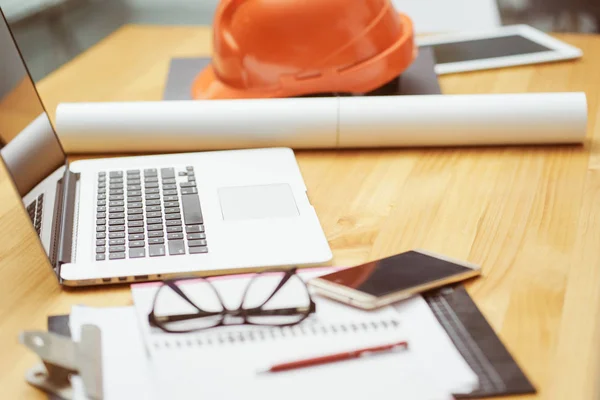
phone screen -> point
(397, 273)
(479, 49)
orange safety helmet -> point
(285, 48)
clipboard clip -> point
(62, 358)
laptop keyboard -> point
(148, 213)
(35, 209)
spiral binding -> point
(261, 334)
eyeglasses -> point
(271, 298)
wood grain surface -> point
(529, 215)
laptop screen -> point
(29, 146)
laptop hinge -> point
(67, 218)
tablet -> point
(502, 47)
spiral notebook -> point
(224, 363)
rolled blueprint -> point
(335, 122)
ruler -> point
(474, 338)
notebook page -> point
(224, 363)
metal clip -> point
(62, 358)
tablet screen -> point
(478, 49)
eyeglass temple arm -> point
(285, 278)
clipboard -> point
(61, 358)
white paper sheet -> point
(384, 121)
(411, 374)
(125, 366)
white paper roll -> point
(387, 121)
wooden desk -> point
(529, 215)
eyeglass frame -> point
(240, 312)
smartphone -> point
(502, 47)
(382, 282)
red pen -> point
(331, 358)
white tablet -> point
(502, 47)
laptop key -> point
(176, 247)
(137, 252)
(169, 217)
(134, 193)
(115, 197)
(133, 172)
(116, 235)
(150, 209)
(101, 215)
(135, 181)
(114, 242)
(152, 221)
(171, 204)
(196, 236)
(151, 185)
(152, 196)
(116, 191)
(167, 173)
(116, 209)
(155, 234)
(182, 173)
(153, 203)
(116, 215)
(134, 205)
(189, 168)
(100, 242)
(134, 199)
(137, 243)
(101, 235)
(102, 209)
(133, 187)
(100, 257)
(189, 190)
(171, 198)
(174, 229)
(169, 192)
(115, 174)
(196, 243)
(174, 236)
(154, 214)
(198, 250)
(192, 212)
(137, 236)
(136, 224)
(150, 172)
(135, 230)
(152, 190)
(169, 181)
(116, 256)
(135, 217)
(101, 203)
(116, 249)
(115, 186)
(100, 249)
(101, 191)
(174, 210)
(151, 179)
(102, 197)
(116, 228)
(132, 211)
(100, 228)
(176, 222)
(157, 240)
(116, 222)
(186, 184)
(155, 227)
(116, 203)
(156, 250)
(169, 186)
(194, 229)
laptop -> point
(106, 221)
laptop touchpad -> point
(257, 202)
